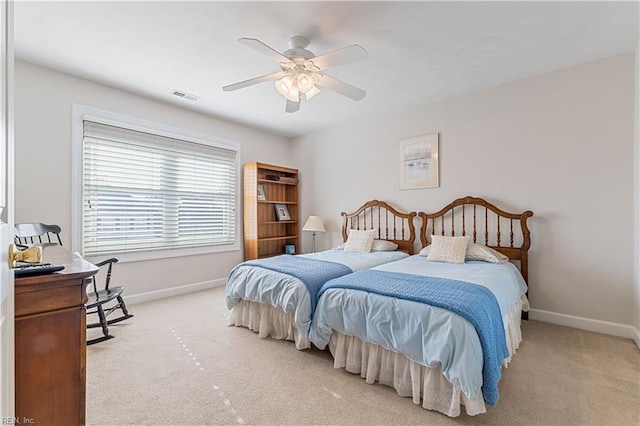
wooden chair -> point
(98, 297)
(36, 233)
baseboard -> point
(605, 327)
(636, 337)
(174, 291)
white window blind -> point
(145, 192)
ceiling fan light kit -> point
(301, 74)
(300, 80)
(288, 89)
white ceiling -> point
(419, 52)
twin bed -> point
(434, 329)
(266, 296)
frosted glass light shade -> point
(305, 82)
(311, 93)
(286, 87)
(296, 85)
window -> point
(146, 192)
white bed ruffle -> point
(411, 379)
(268, 321)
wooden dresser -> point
(50, 341)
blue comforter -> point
(313, 273)
(473, 302)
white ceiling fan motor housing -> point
(298, 44)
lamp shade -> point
(314, 224)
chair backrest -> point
(37, 233)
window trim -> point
(82, 112)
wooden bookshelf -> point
(266, 235)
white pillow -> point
(360, 241)
(484, 253)
(425, 251)
(477, 252)
(383, 245)
(448, 249)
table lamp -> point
(314, 224)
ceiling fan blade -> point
(264, 49)
(341, 87)
(251, 82)
(341, 56)
(292, 106)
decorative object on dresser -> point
(313, 224)
(271, 223)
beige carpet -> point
(177, 362)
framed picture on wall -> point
(261, 195)
(419, 162)
(282, 212)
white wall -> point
(559, 144)
(43, 100)
(636, 296)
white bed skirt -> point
(411, 379)
(268, 321)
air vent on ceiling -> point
(184, 95)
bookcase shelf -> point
(264, 234)
(286, 237)
(278, 222)
(276, 202)
(275, 182)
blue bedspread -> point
(473, 302)
(313, 273)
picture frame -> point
(282, 212)
(418, 165)
(261, 194)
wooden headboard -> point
(391, 224)
(485, 224)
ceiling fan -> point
(301, 71)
